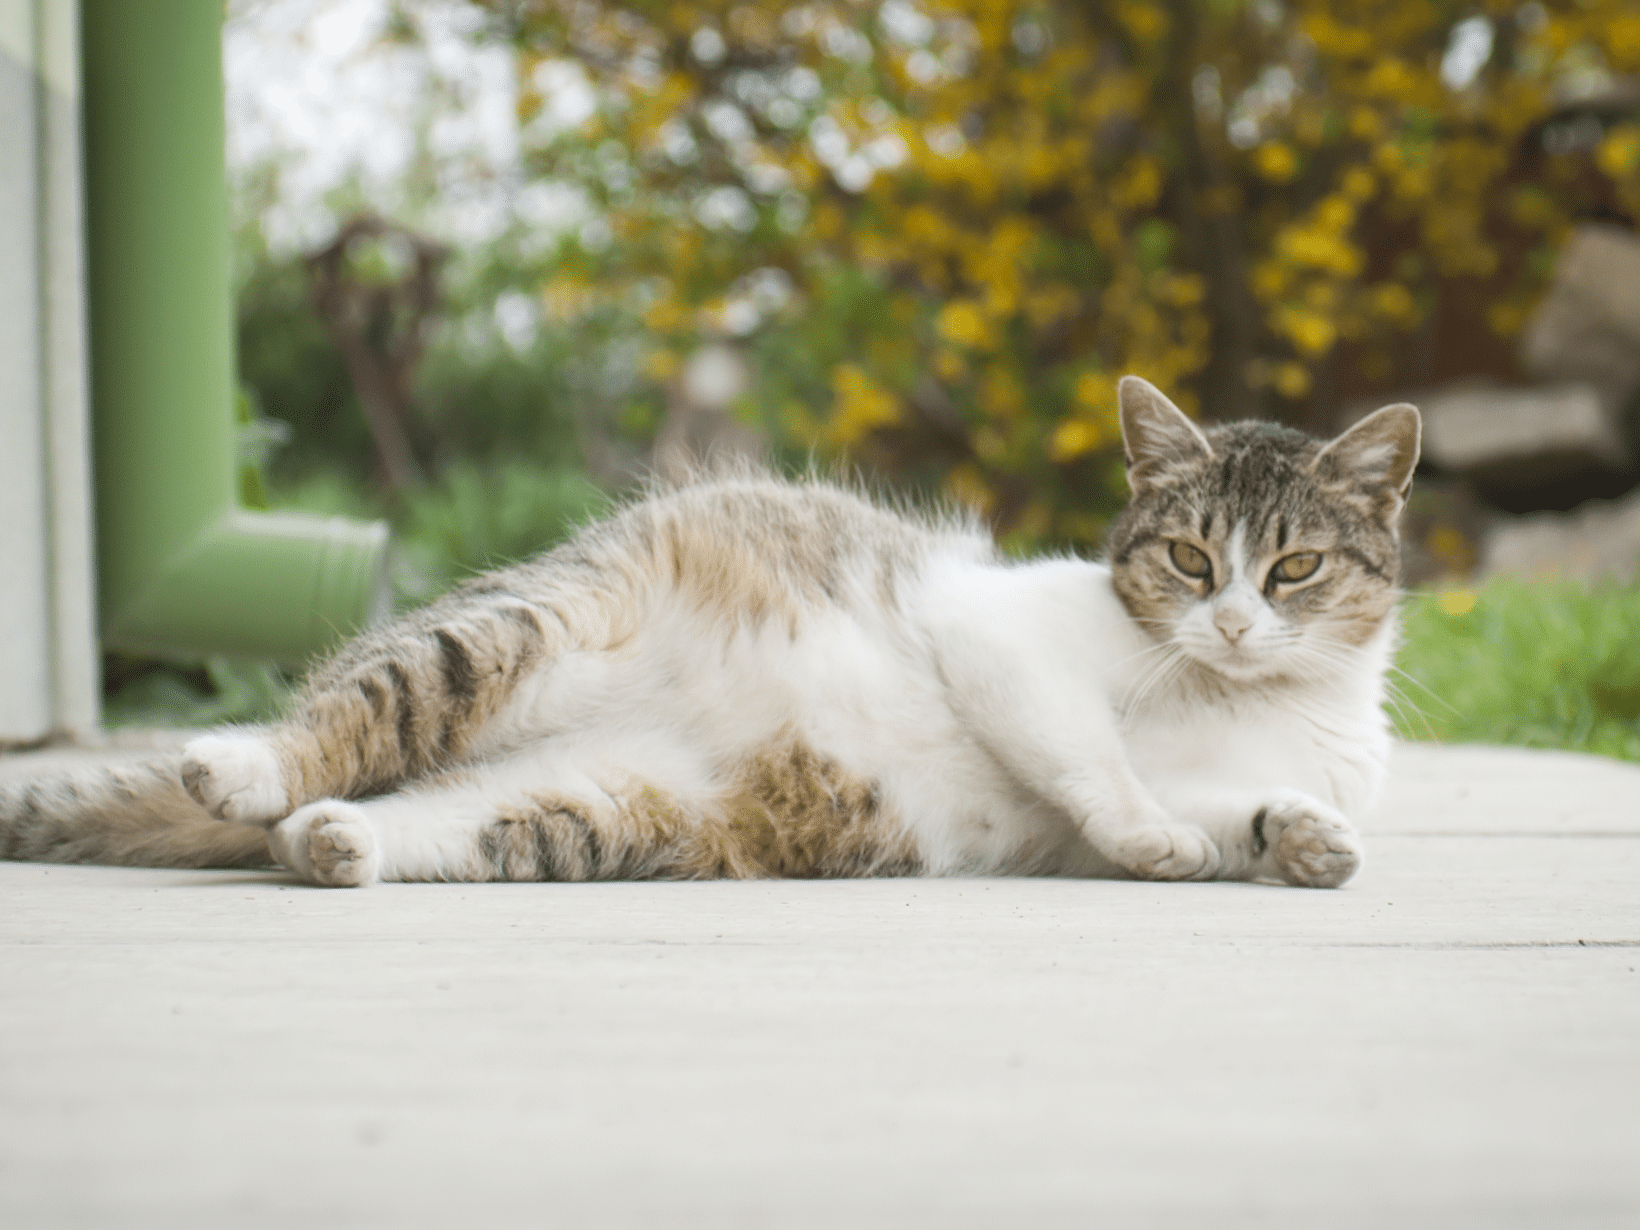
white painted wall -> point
(49, 679)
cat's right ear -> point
(1158, 437)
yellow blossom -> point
(1001, 395)
(1623, 41)
(1142, 184)
(1359, 184)
(964, 323)
(1276, 161)
(1269, 279)
(1455, 602)
(662, 365)
(1146, 22)
(1292, 380)
(666, 316)
(1618, 155)
(1095, 391)
(1394, 302)
(1391, 78)
(1033, 216)
(1073, 438)
(1312, 334)
(1335, 213)
(860, 406)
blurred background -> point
(494, 261)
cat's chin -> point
(1242, 667)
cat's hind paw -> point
(1310, 844)
(235, 777)
(328, 843)
(1168, 852)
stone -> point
(1598, 542)
(1521, 436)
(1588, 326)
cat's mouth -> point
(1240, 662)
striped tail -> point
(135, 814)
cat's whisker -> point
(1396, 696)
(1162, 647)
(1345, 657)
(1426, 689)
(1156, 677)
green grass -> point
(1544, 665)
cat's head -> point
(1253, 548)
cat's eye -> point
(1189, 560)
(1298, 567)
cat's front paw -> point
(1168, 852)
(1308, 843)
(235, 777)
(328, 843)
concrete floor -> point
(1452, 1040)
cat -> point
(744, 676)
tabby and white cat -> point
(746, 677)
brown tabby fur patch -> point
(407, 701)
(790, 813)
(134, 815)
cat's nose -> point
(1232, 621)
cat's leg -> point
(1049, 720)
(394, 705)
(1128, 827)
(540, 820)
(1285, 836)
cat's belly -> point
(871, 701)
(705, 708)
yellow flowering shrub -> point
(946, 227)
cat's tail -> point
(134, 814)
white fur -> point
(235, 777)
(329, 842)
(1015, 717)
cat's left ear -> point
(1377, 457)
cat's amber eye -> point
(1189, 560)
(1298, 567)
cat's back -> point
(751, 546)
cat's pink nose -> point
(1232, 621)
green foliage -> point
(475, 519)
(1550, 665)
(154, 694)
(472, 519)
(295, 374)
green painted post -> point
(181, 568)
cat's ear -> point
(1158, 437)
(1376, 457)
